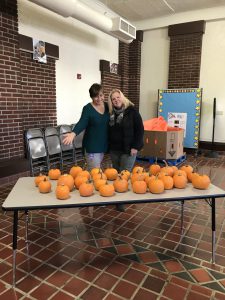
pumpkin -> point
(99, 182)
(180, 181)
(180, 172)
(174, 169)
(154, 169)
(84, 173)
(86, 189)
(201, 182)
(137, 169)
(187, 168)
(62, 192)
(120, 185)
(167, 169)
(125, 174)
(54, 174)
(39, 178)
(107, 190)
(138, 176)
(191, 175)
(79, 180)
(45, 186)
(111, 173)
(156, 186)
(139, 187)
(167, 181)
(66, 179)
(149, 178)
(75, 170)
(95, 171)
(99, 175)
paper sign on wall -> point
(39, 53)
(177, 120)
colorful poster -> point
(39, 53)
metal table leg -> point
(15, 230)
(213, 205)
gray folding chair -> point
(68, 151)
(78, 144)
(53, 145)
(36, 151)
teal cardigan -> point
(96, 129)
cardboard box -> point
(163, 144)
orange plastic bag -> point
(158, 124)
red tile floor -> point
(100, 253)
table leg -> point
(213, 205)
(182, 218)
(15, 229)
(26, 225)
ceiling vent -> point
(123, 29)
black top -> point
(128, 134)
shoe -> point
(120, 207)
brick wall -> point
(185, 54)
(38, 91)
(128, 78)
(27, 88)
(11, 128)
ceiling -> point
(137, 10)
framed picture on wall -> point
(39, 53)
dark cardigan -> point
(128, 134)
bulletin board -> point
(182, 108)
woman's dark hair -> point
(95, 90)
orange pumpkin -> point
(79, 180)
(86, 189)
(201, 182)
(99, 175)
(44, 186)
(139, 187)
(54, 174)
(137, 169)
(75, 170)
(149, 178)
(111, 173)
(191, 175)
(107, 190)
(167, 169)
(156, 186)
(120, 185)
(154, 169)
(167, 181)
(62, 192)
(85, 173)
(180, 172)
(99, 182)
(187, 168)
(95, 171)
(125, 174)
(66, 179)
(138, 176)
(180, 181)
(39, 178)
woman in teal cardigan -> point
(94, 120)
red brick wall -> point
(11, 128)
(128, 79)
(38, 92)
(185, 61)
(27, 88)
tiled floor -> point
(99, 253)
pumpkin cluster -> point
(156, 180)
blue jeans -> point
(94, 160)
(122, 161)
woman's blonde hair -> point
(125, 100)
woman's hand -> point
(133, 152)
(68, 138)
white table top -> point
(25, 195)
